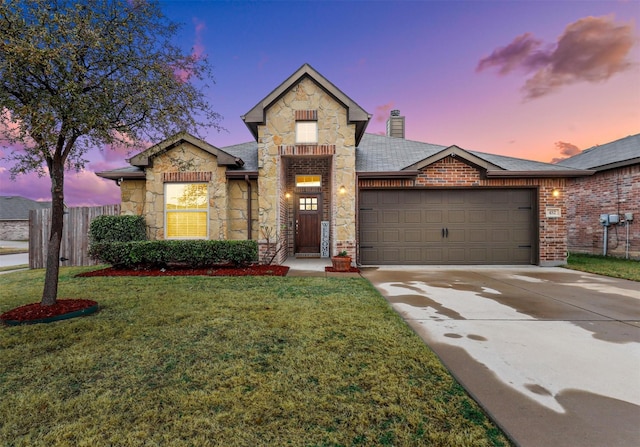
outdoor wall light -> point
(287, 195)
(343, 190)
(555, 192)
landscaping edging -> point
(76, 313)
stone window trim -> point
(186, 177)
(306, 115)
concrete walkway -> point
(553, 355)
(313, 267)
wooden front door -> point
(308, 215)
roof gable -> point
(144, 158)
(355, 114)
(455, 152)
(618, 153)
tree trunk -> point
(50, 292)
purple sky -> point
(532, 79)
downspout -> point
(246, 179)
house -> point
(14, 217)
(614, 191)
(312, 182)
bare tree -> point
(76, 75)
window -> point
(306, 131)
(308, 204)
(308, 181)
(186, 210)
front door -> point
(308, 212)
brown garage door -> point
(470, 226)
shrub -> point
(117, 229)
(192, 253)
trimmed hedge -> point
(192, 253)
(117, 229)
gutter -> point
(539, 174)
(246, 179)
(387, 174)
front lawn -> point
(249, 361)
(605, 265)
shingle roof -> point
(379, 153)
(17, 208)
(622, 152)
(248, 152)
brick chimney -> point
(395, 125)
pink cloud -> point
(591, 49)
(82, 188)
(566, 149)
(382, 112)
(197, 51)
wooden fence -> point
(75, 235)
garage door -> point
(474, 226)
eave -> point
(539, 174)
(388, 174)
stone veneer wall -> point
(333, 129)
(183, 163)
(451, 172)
(615, 191)
(238, 195)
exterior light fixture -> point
(287, 195)
(343, 190)
(555, 192)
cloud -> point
(566, 149)
(591, 49)
(382, 112)
(197, 51)
(83, 188)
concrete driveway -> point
(552, 354)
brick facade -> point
(454, 173)
(616, 191)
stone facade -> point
(187, 163)
(615, 191)
(336, 142)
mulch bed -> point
(351, 270)
(252, 270)
(35, 313)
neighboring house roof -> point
(355, 114)
(619, 153)
(17, 208)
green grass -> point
(605, 265)
(201, 361)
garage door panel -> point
(412, 216)
(391, 217)
(391, 236)
(485, 226)
(413, 235)
(456, 216)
